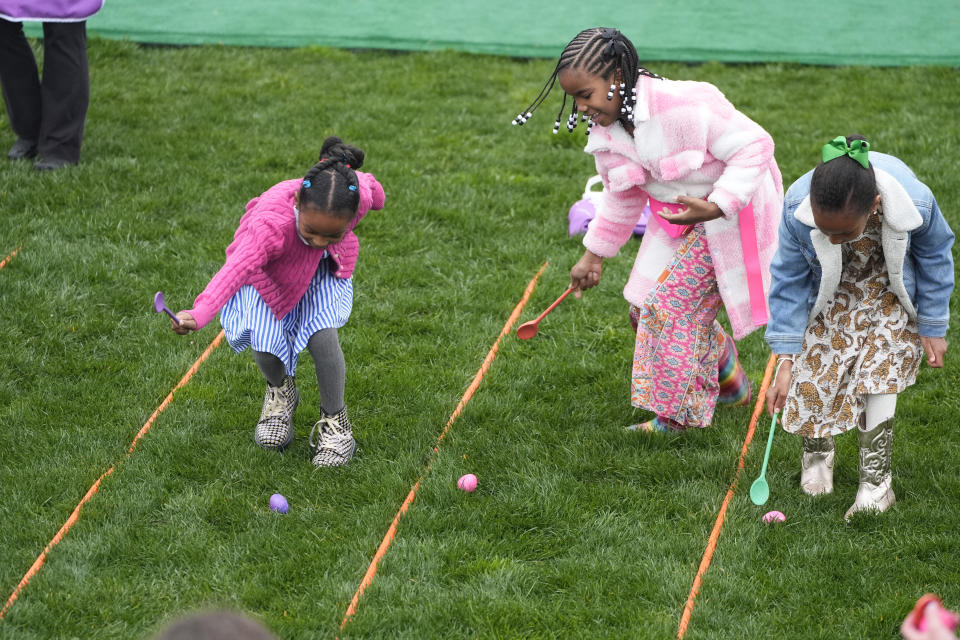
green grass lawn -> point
(578, 529)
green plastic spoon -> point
(760, 490)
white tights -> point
(879, 408)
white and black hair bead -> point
(615, 55)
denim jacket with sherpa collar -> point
(916, 241)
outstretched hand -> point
(778, 389)
(935, 348)
(187, 323)
(586, 273)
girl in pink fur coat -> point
(286, 286)
(709, 175)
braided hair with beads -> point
(600, 51)
(331, 185)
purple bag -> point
(585, 210)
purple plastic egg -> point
(278, 503)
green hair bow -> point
(838, 147)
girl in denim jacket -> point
(861, 288)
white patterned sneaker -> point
(334, 442)
(275, 428)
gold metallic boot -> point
(875, 492)
(816, 466)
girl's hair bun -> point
(334, 147)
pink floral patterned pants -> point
(679, 341)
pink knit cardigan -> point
(268, 254)
(688, 140)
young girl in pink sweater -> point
(286, 285)
(709, 175)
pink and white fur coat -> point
(688, 140)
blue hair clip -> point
(306, 184)
(352, 187)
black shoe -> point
(48, 164)
(334, 445)
(275, 428)
(22, 149)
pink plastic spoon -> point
(529, 329)
(160, 306)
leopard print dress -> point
(864, 342)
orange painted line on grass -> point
(7, 260)
(35, 567)
(166, 401)
(718, 525)
(474, 385)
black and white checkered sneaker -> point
(275, 429)
(332, 439)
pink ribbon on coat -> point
(748, 242)
(751, 260)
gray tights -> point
(324, 346)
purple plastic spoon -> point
(160, 306)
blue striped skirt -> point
(248, 321)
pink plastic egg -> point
(467, 483)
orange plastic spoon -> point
(529, 329)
